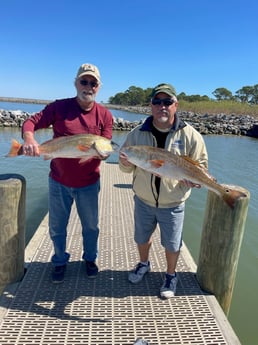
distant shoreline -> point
(24, 100)
(139, 109)
(145, 110)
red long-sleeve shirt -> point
(67, 118)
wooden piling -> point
(12, 228)
(221, 240)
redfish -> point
(83, 146)
(165, 164)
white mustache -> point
(86, 96)
(164, 113)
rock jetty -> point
(219, 124)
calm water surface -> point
(232, 160)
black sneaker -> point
(91, 269)
(58, 274)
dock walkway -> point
(108, 309)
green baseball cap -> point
(166, 88)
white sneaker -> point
(138, 273)
(168, 289)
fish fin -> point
(157, 163)
(83, 148)
(16, 149)
(198, 165)
(190, 160)
(231, 196)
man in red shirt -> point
(69, 180)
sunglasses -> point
(165, 101)
(91, 83)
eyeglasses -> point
(91, 83)
(165, 101)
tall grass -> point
(204, 107)
(219, 107)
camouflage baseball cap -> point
(166, 88)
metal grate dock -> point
(108, 310)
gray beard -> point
(86, 97)
(162, 119)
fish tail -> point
(231, 196)
(16, 149)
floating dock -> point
(108, 309)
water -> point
(232, 160)
(29, 108)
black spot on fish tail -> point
(231, 196)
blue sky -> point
(197, 46)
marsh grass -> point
(219, 107)
(202, 108)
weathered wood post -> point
(12, 228)
(222, 235)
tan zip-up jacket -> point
(182, 139)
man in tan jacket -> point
(158, 201)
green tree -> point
(135, 95)
(192, 98)
(255, 95)
(119, 98)
(222, 93)
(248, 94)
(147, 97)
(182, 96)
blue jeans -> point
(60, 200)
